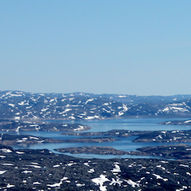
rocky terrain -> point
(42, 170)
(178, 122)
(179, 151)
(93, 149)
(25, 169)
(7, 125)
(25, 140)
(84, 106)
(175, 136)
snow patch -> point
(2, 171)
(132, 183)
(100, 181)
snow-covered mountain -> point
(85, 106)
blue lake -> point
(125, 144)
(135, 124)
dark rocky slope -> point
(42, 170)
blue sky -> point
(138, 47)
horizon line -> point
(83, 92)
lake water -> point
(125, 144)
(135, 124)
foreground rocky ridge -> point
(42, 170)
(84, 106)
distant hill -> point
(86, 106)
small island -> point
(178, 152)
(92, 150)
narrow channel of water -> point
(124, 143)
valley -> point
(84, 141)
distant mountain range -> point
(86, 106)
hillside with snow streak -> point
(84, 106)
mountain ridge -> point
(89, 106)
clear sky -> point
(138, 47)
